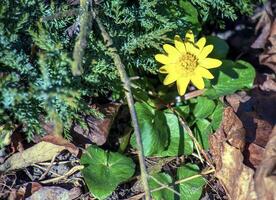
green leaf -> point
(204, 107)
(163, 194)
(104, 171)
(230, 77)
(183, 110)
(180, 142)
(154, 129)
(216, 116)
(190, 189)
(221, 48)
(191, 14)
(202, 130)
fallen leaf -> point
(268, 57)
(58, 140)
(269, 84)
(226, 146)
(98, 129)
(43, 151)
(265, 178)
(264, 24)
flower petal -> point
(200, 71)
(210, 63)
(205, 52)
(191, 48)
(198, 81)
(170, 68)
(173, 53)
(179, 44)
(200, 43)
(190, 36)
(182, 84)
(163, 59)
(170, 78)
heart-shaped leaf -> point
(202, 130)
(216, 116)
(154, 129)
(104, 171)
(180, 142)
(221, 48)
(230, 77)
(165, 179)
(192, 188)
(204, 107)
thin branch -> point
(64, 176)
(139, 196)
(193, 94)
(127, 88)
(165, 186)
(48, 168)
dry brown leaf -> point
(99, 128)
(226, 146)
(58, 140)
(268, 57)
(269, 84)
(43, 151)
(264, 24)
(265, 178)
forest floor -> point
(243, 149)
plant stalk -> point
(126, 84)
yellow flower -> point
(186, 62)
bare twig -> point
(48, 168)
(44, 169)
(193, 94)
(64, 176)
(139, 196)
(126, 84)
(165, 186)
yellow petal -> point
(200, 71)
(170, 68)
(163, 59)
(205, 52)
(179, 44)
(198, 81)
(182, 84)
(210, 63)
(172, 51)
(200, 43)
(170, 78)
(190, 36)
(191, 48)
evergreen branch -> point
(126, 84)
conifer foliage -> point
(37, 40)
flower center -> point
(188, 62)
